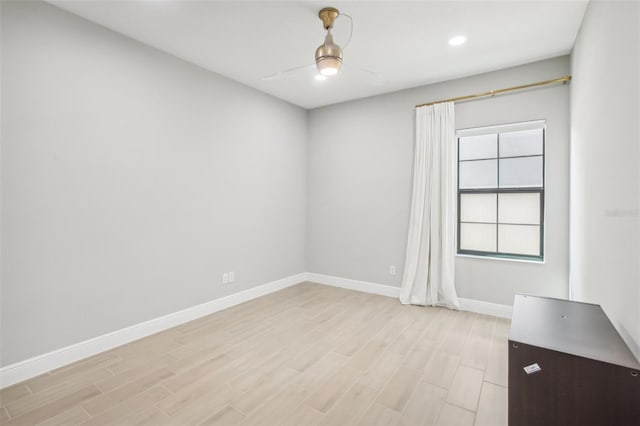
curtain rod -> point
(563, 80)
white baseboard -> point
(487, 308)
(35, 366)
(503, 311)
(364, 286)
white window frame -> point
(503, 128)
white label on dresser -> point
(533, 368)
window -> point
(501, 191)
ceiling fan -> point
(328, 56)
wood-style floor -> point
(307, 355)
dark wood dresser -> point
(569, 366)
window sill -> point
(502, 259)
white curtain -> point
(429, 267)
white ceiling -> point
(405, 42)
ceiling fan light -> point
(458, 40)
(328, 65)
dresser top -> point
(576, 328)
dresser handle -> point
(515, 346)
(634, 373)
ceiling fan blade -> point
(288, 73)
(376, 77)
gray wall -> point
(605, 164)
(131, 180)
(360, 159)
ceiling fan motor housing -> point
(329, 57)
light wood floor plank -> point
(190, 375)
(282, 409)
(492, 407)
(127, 376)
(132, 389)
(497, 363)
(465, 388)
(13, 393)
(332, 389)
(147, 417)
(226, 416)
(4, 415)
(380, 415)
(300, 415)
(409, 337)
(48, 396)
(452, 415)
(381, 371)
(54, 408)
(199, 407)
(103, 359)
(351, 406)
(312, 379)
(85, 376)
(309, 356)
(397, 392)
(139, 361)
(476, 351)
(441, 368)
(419, 358)
(457, 333)
(381, 340)
(424, 406)
(265, 389)
(215, 381)
(74, 416)
(116, 413)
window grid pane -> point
(478, 237)
(519, 208)
(478, 174)
(479, 208)
(521, 172)
(478, 147)
(521, 143)
(519, 239)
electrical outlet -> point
(232, 277)
(392, 269)
(225, 278)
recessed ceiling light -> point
(457, 41)
(321, 77)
